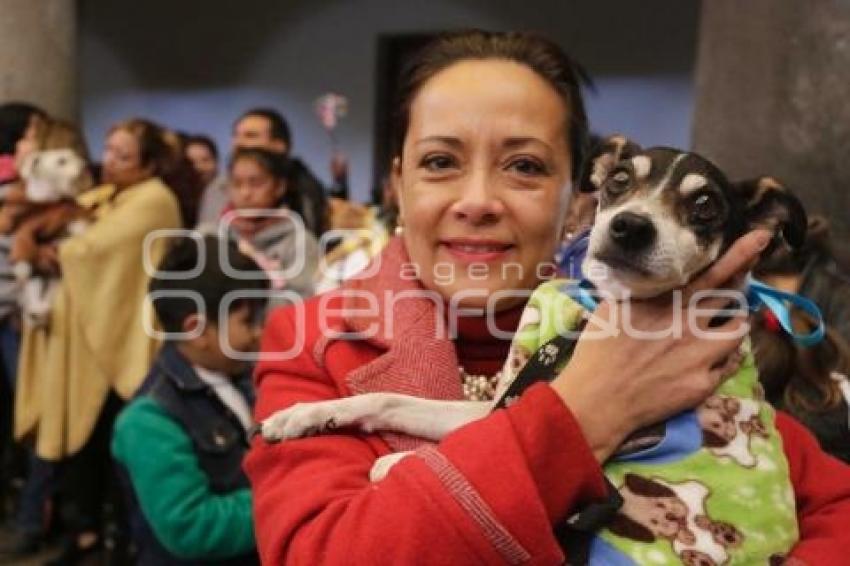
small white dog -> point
(43, 211)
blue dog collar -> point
(762, 295)
(758, 295)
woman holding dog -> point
(95, 351)
(490, 134)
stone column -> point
(773, 96)
(38, 54)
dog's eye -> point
(705, 208)
(619, 182)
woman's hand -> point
(620, 379)
(47, 260)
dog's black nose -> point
(632, 231)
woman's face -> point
(484, 180)
(252, 186)
(203, 161)
(122, 163)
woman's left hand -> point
(47, 259)
(631, 368)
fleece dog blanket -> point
(708, 487)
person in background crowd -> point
(339, 177)
(182, 178)
(810, 383)
(268, 129)
(203, 154)
(19, 124)
(278, 241)
(33, 520)
(18, 121)
(181, 441)
(490, 132)
(94, 351)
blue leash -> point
(758, 295)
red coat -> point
(488, 493)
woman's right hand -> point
(617, 381)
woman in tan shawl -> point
(95, 342)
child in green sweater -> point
(180, 443)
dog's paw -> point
(22, 270)
(36, 313)
(298, 421)
(77, 227)
(382, 465)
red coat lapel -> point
(419, 359)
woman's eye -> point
(437, 162)
(526, 166)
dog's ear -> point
(771, 205)
(602, 160)
(627, 527)
(646, 487)
(711, 439)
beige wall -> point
(38, 54)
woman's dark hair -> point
(14, 121)
(201, 139)
(275, 164)
(162, 150)
(796, 377)
(801, 377)
(158, 148)
(537, 53)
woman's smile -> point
(473, 250)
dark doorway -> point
(394, 50)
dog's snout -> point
(632, 231)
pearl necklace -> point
(479, 387)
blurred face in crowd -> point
(253, 186)
(122, 161)
(484, 179)
(203, 161)
(29, 142)
(256, 131)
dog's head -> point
(54, 174)
(651, 511)
(664, 215)
(717, 420)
